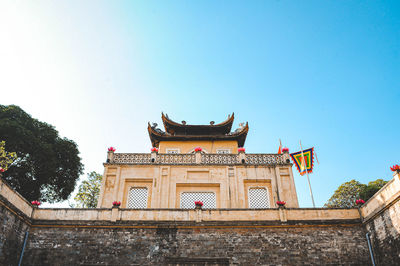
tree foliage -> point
(372, 188)
(89, 191)
(347, 193)
(47, 166)
(6, 158)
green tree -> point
(47, 166)
(372, 188)
(6, 158)
(347, 193)
(89, 191)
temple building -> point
(191, 163)
(157, 222)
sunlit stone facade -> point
(217, 174)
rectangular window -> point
(208, 198)
(137, 198)
(173, 151)
(258, 198)
(223, 151)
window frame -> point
(172, 150)
(267, 196)
(210, 192)
(129, 197)
(218, 151)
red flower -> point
(241, 149)
(198, 149)
(285, 149)
(1, 170)
(116, 203)
(395, 168)
(154, 149)
(112, 149)
(360, 201)
(36, 203)
(281, 203)
(198, 203)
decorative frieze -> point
(206, 159)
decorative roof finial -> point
(183, 122)
(212, 123)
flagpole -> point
(308, 178)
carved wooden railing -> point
(205, 159)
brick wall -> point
(13, 226)
(381, 215)
(385, 235)
(290, 237)
(220, 243)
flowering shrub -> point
(241, 149)
(198, 203)
(281, 203)
(116, 203)
(36, 203)
(395, 168)
(1, 170)
(198, 149)
(285, 149)
(154, 149)
(360, 202)
(112, 149)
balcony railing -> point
(198, 158)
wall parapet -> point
(206, 159)
(384, 198)
(203, 215)
(15, 199)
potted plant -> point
(198, 149)
(199, 204)
(154, 149)
(111, 149)
(285, 150)
(241, 149)
(360, 202)
(395, 168)
(35, 203)
(281, 204)
(116, 204)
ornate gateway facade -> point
(197, 162)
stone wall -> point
(13, 226)
(199, 237)
(382, 221)
(220, 243)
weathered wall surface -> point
(382, 221)
(13, 226)
(223, 236)
(163, 243)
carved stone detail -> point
(208, 159)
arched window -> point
(258, 198)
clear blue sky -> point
(324, 72)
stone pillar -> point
(114, 214)
(153, 156)
(198, 157)
(242, 157)
(282, 214)
(286, 156)
(199, 214)
(110, 156)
